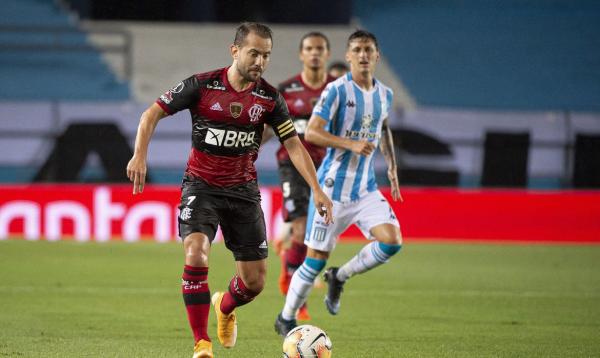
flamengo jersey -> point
(356, 114)
(227, 125)
(300, 100)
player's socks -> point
(369, 257)
(302, 283)
(196, 296)
(294, 256)
(238, 295)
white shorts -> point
(367, 212)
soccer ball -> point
(307, 341)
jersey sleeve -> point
(181, 96)
(327, 105)
(280, 120)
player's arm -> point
(180, 97)
(317, 134)
(389, 154)
(136, 168)
(305, 166)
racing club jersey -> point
(300, 100)
(227, 129)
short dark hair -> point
(314, 34)
(247, 27)
(338, 65)
(362, 35)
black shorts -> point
(242, 221)
(296, 193)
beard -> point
(246, 75)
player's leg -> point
(196, 294)
(300, 286)
(320, 239)
(281, 240)
(377, 221)
(197, 225)
(244, 234)
(296, 195)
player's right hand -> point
(324, 205)
(362, 147)
(136, 172)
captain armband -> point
(285, 130)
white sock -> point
(369, 257)
(300, 287)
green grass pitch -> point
(67, 299)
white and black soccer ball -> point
(307, 341)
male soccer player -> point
(229, 108)
(350, 119)
(301, 92)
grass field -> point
(67, 299)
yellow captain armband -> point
(285, 128)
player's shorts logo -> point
(255, 112)
(235, 108)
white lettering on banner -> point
(92, 213)
(56, 211)
(21, 209)
(154, 210)
(104, 213)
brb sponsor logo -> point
(228, 139)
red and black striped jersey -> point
(300, 100)
(227, 127)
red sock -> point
(238, 295)
(294, 256)
(196, 296)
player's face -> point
(252, 58)
(314, 53)
(362, 54)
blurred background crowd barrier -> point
(495, 100)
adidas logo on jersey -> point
(216, 107)
(263, 245)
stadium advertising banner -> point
(102, 213)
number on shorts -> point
(190, 199)
(286, 188)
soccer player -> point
(229, 109)
(351, 120)
(300, 92)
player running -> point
(229, 109)
(300, 92)
(350, 119)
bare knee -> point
(253, 274)
(387, 234)
(197, 249)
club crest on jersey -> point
(235, 108)
(255, 112)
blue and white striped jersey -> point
(356, 114)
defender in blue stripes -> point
(350, 119)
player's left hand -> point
(393, 178)
(324, 205)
